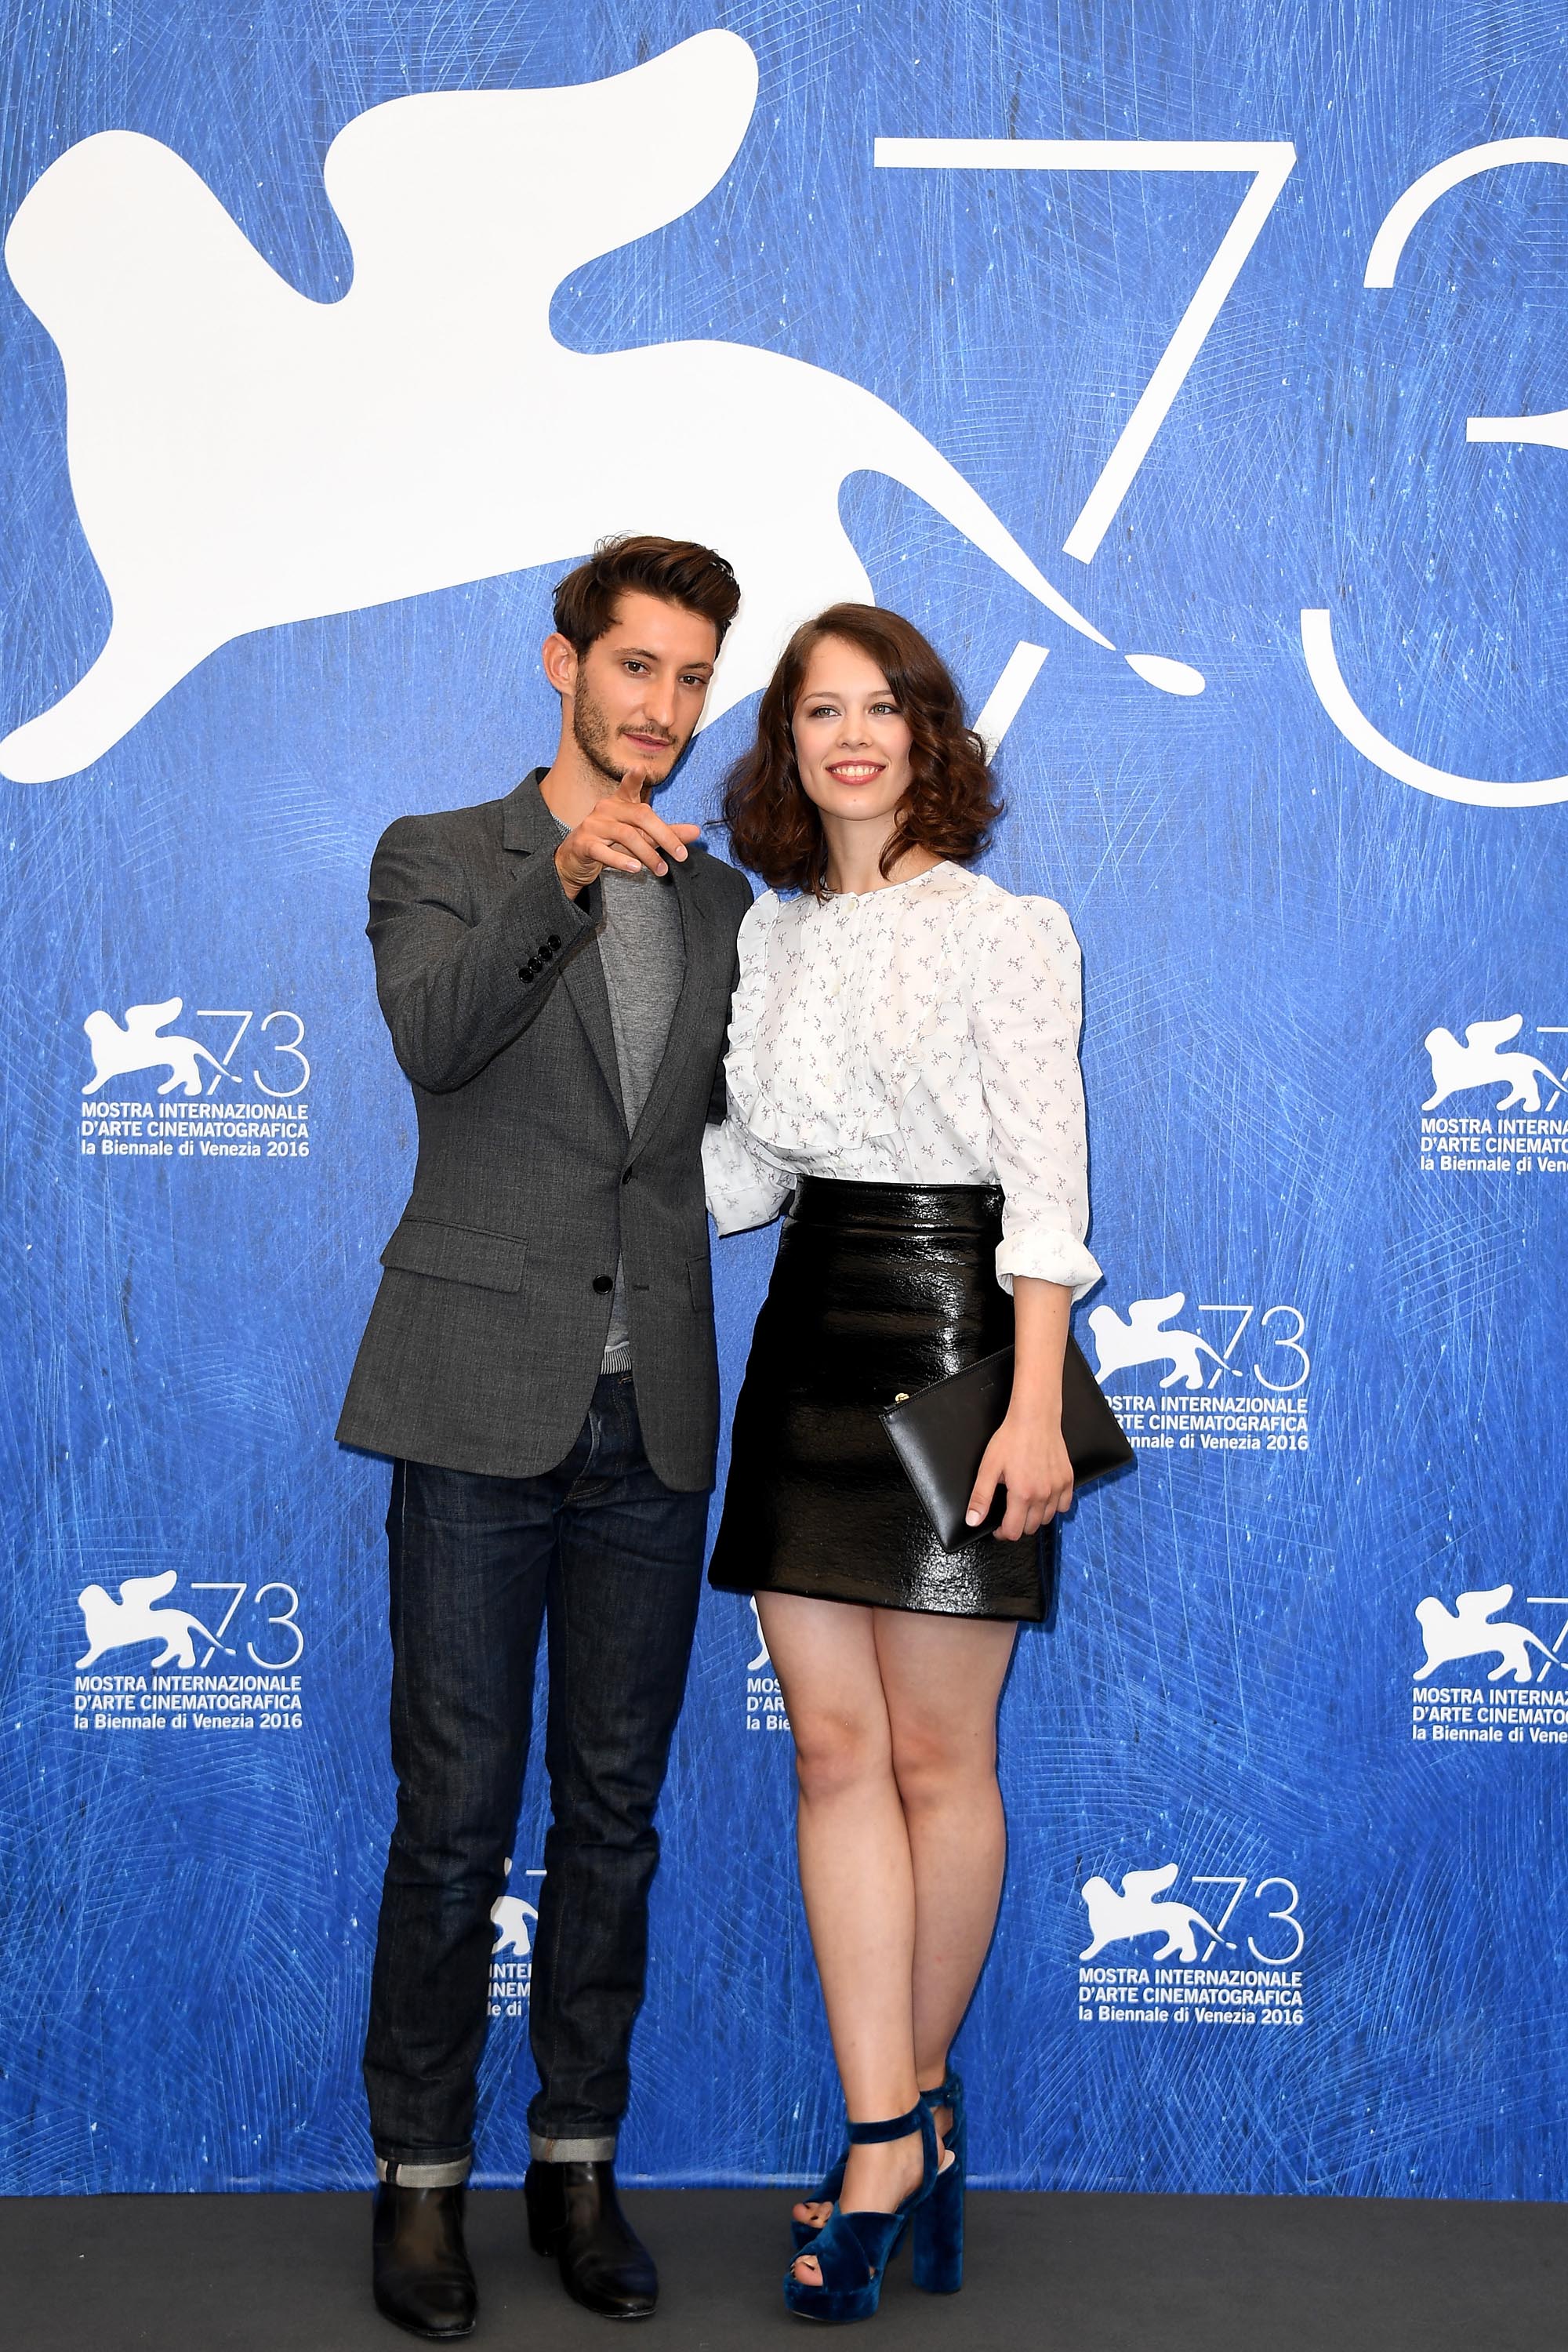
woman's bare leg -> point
(941, 1680)
(902, 1845)
(856, 1877)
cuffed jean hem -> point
(571, 2151)
(423, 2172)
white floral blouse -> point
(924, 1034)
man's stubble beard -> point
(593, 736)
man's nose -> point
(658, 703)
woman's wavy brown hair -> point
(951, 804)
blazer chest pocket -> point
(456, 1254)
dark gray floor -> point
(1070, 2273)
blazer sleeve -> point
(457, 986)
(719, 1093)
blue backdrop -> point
(1330, 1219)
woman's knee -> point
(839, 1750)
(935, 1764)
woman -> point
(902, 1060)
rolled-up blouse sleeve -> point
(1025, 1014)
(744, 1186)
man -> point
(555, 969)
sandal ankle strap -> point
(896, 2127)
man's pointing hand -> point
(622, 832)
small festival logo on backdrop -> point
(764, 1699)
(514, 1920)
(1182, 1980)
(1496, 1107)
(206, 1100)
(1520, 1700)
(180, 1685)
(1215, 1393)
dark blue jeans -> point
(612, 1559)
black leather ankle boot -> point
(421, 2277)
(574, 2214)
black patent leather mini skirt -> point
(878, 1290)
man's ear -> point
(559, 657)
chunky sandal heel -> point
(937, 2259)
(854, 2249)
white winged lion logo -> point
(1115, 1918)
(112, 1625)
(243, 457)
(510, 1917)
(1142, 1340)
(117, 1051)
(1471, 1629)
(1481, 1062)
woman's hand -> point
(1027, 1456)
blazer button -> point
(627, 1174)
(554, 943)
(603, 1282)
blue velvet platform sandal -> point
(854, 2249)
(949, 2094)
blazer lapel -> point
(583, 978)
(528, 829)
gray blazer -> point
(484, 1342)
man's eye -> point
(640, 666)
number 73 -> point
(1269, 162)
(284, 1617)
(1285, 1912)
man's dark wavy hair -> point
(951, 804)
(677, 570)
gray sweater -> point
(643, 953)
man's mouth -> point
(654, 744)
(855, 771)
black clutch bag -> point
(941, 1435)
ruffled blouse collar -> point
(804, 1080)
(944, 868)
